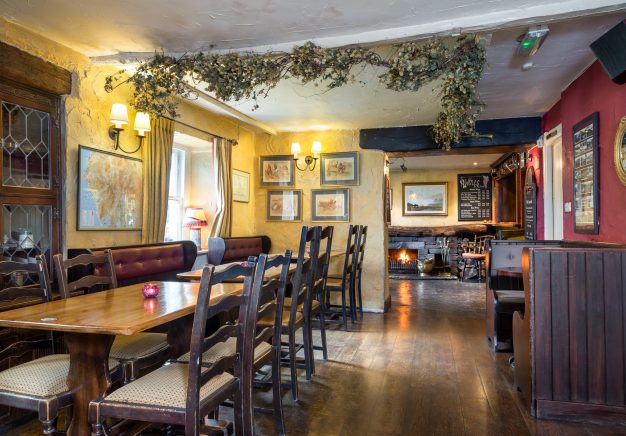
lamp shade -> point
(195, 217)
(316, 148)
(142, 123)
(119, 115)
(295, 149)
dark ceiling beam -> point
(23, 68)
(504, 134)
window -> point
(176, 198)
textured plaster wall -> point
(366, 205)
(86, 113)
(420, 176)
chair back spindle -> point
(103, 263)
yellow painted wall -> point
(450, 176)
(366, 205)
(86, 112)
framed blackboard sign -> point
(474, 191)
(586, 175)
(530, 205)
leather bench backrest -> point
(240, 248)
(136, 262)
(508, 253)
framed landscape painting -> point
(330, 205)
(339, 169)
(277, 170)
(419, 199)
(110, 191)
(284, 205)
(241, 186)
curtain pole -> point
(232, 141)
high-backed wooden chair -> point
(267, 344)
(134, 352)
(476, 253)
(359, 267)
(39, 385)
(318, 301)
(345, 282)
(185, 393)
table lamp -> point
(195, 219)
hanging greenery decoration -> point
(159, 82)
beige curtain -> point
(222, 224)
(157, 160)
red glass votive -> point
(150, 290)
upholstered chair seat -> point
(227, 348)
(138, 346)
(43, 377)
(315, 305)
(166, 388)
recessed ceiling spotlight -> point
(531, 41)
(527, 66)
(475, 163)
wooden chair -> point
(185, 393)
(267, 344)
(293, 314)
(476, 253)
(345, 283)
(359, 267)
(134, 352)
(39, 385)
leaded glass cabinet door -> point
(29, 176)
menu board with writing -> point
(474, 197)
(530, 205)
(586, 175)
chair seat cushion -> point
(474, 256)
(314, 304)
(510, 297)
(165, 387)
(268, 320)
(227, 348)
(138, 345)
(334, 283)
(43, 377)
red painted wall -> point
(592, 92)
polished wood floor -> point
(424, 368)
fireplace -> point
(403, 260)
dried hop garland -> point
(160, 81)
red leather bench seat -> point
(134, 262)
(241, 248)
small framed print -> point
(339, 168)
(424, 199)
(277, 170)
(241, 186)
(330, 205)
(285, 205)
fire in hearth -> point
(403, 257)
(404, 260)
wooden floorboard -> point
(424, 368)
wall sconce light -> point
(310, 161)
(119, 117)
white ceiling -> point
(451, 162)
(99, 28)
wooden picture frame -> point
(425, 199)
(338, 169)
(241, 186)
(620, 151)
(585, 175)
(330, 205)
(278, 170)
(284, 205)
(110, 191)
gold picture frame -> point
(620, 151)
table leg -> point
(179, 335)
(89, 376)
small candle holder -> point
(150, 290)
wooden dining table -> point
(90, 323)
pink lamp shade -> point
(195, 217)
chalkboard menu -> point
(474, 197)
(530, 205)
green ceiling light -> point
(531, 41)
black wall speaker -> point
(610, 49)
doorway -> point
(553, 184)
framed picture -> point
(284, 205)
(241, 186)
(425, 199)
(339, 168)
(586, 175)
(330, 205)
(110, 191)
(620, 151)
(277, 170)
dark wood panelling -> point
(613, 328)
(543, 323)
(26, 69)
(577, 326)
(560, 329)
(596, 358)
